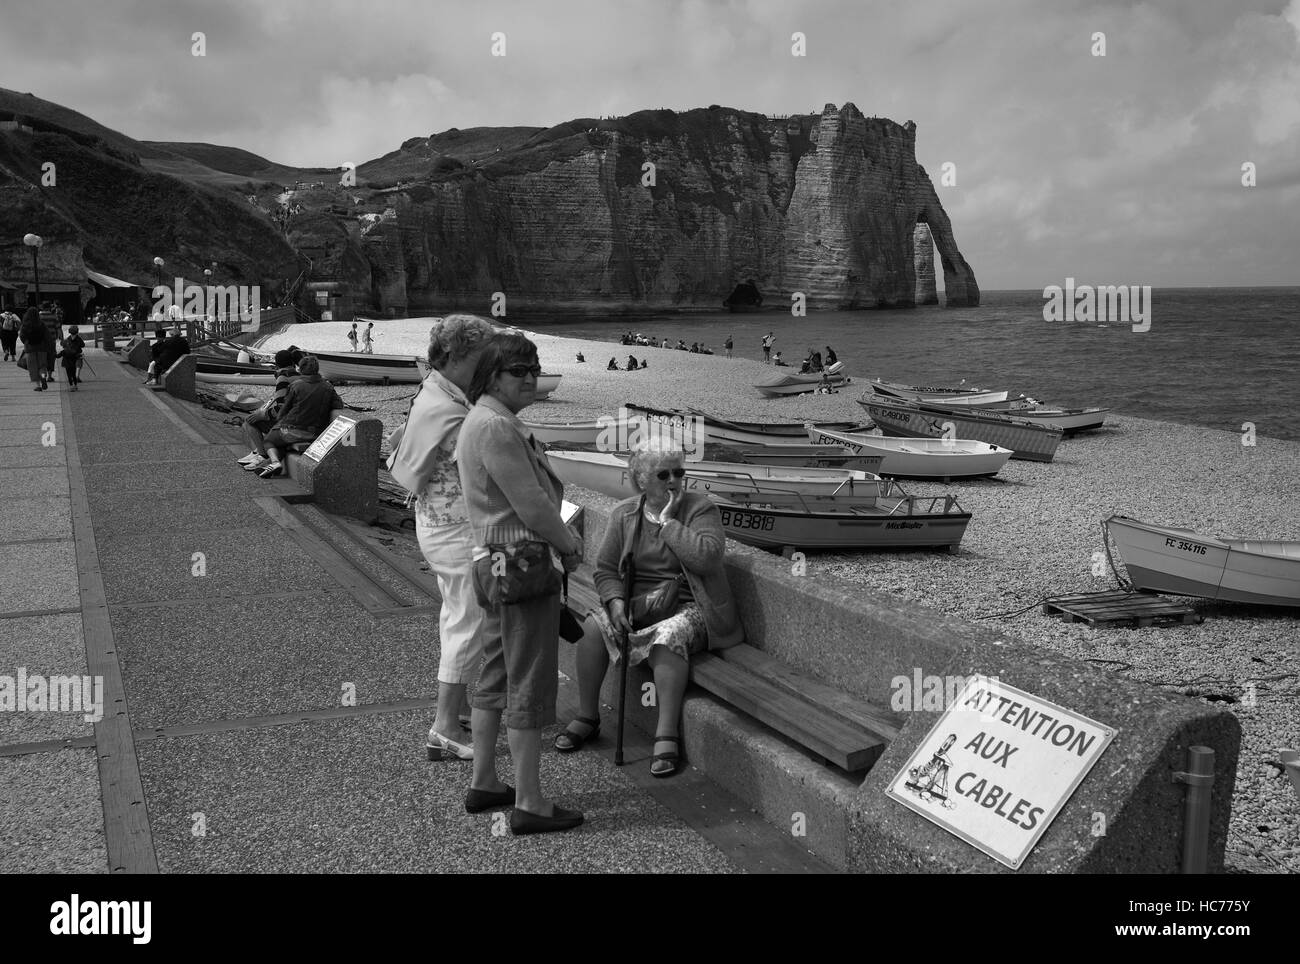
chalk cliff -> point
(660, 210)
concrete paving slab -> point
(36, 420)
(30, 436)
(28, 456)
(365, 800)
(54, 823)
(146, 566)
(41, 575)
(170, 476)
(119, 513)
(140, 453)
(36, 518)
(253, 657)
(48, 646)
(34, 480)
(160, 434)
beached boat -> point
(782, 431)
(795, 383)
(722, 432)
(607, 473)
(905, 522)
(1187, 563)
(967, 396)
(797, 456)
(223, 371)
(346, 366)
(1027, 440)
(583, 432)
(917, 458)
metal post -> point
(1196, 819)
(36, 272)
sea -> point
(1216, 357)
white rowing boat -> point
(607, 473)
(1027, 440)
(703, 427)
(965, 396)
(1187, 563)
(893, 523)
(916, 458)
(361, 367)
(796, 383)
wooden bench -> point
(841, 729)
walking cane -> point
(81, 360)
(629, 578)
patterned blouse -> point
(441, 502)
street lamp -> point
(34, 241)
(207, 314)
(157, 273)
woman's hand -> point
(674, 500)
(618, 615)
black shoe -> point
(522, 822)
(476, 801)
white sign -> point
(329, 438)
(998, 766)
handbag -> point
(657, 604)
(515, 573)
(22, 359)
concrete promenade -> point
(267, 677)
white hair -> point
(650, 452)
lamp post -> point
(34, 241)
(157, 273)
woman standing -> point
(368, 346)
(681, 600)
(424, 463)
(514, 501)
(36, 342)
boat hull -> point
(780, 528)
(1185, 563)
(361, 367)
(221, 371)
(719, 431)
(1026, 440)
(798, 384)
(921, 458)
(920, 393)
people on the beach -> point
(352, 336)
(260, 422)
(306, 413)
(681, 345)
(368, 339)
(9, 323)
(664, 344)
(768, 339)
(36, 343)
(513, 501)
(681, 601)
(776, 360)
(643, 364)
(424, 464)
(728, 346)
(830, 356)
(695, 347)
(631, 363)
(74, 346)
(580, 358)
(811, 363)
(613, 365)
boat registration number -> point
(746, 520)
(895, 416)
(1185, 546)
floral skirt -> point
(683, 633)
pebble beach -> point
(1035, 532)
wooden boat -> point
(545, 385)
(222, 371)
(921, 458)
(797, 456)
(795, 383)
(607, 473)
(719, 431)
(346, 366)
(967, 396)
(583, 432)
(1186, 563)
(905, 522)
(1071, 421)
(781, 431)
(1027, 440)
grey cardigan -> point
(697, 539)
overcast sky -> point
(1122, 169)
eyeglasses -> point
(519, 371)
(663, 474)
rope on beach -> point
(1015, 612)
(1105, 544)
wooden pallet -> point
(1115, 608)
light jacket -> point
(696, 537)
(436, 415)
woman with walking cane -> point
(664, 591)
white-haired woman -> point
(676, 543)
(424, 464)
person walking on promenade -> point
(728, 346)
(681, 600)
(352, 336)
(9, 323)
(36, 342)
(424, 463)
(368, 345)
(74, 346)
(768, 339)
(513, 500)
(52, 315)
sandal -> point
(569, 742)
(665, 764)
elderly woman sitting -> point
(680, 602)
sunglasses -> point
(662, 474)
(520, 371)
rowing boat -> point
(893, 523)
(361, 367)
(1187, 563)
(782, 431)
(1027, 440)
(223, 371)
(916, 393)
(916, 458)
(607, 473)
(709, 428)
(796, 383)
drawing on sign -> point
(931, 781)
(998, 766)
(330, 437)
